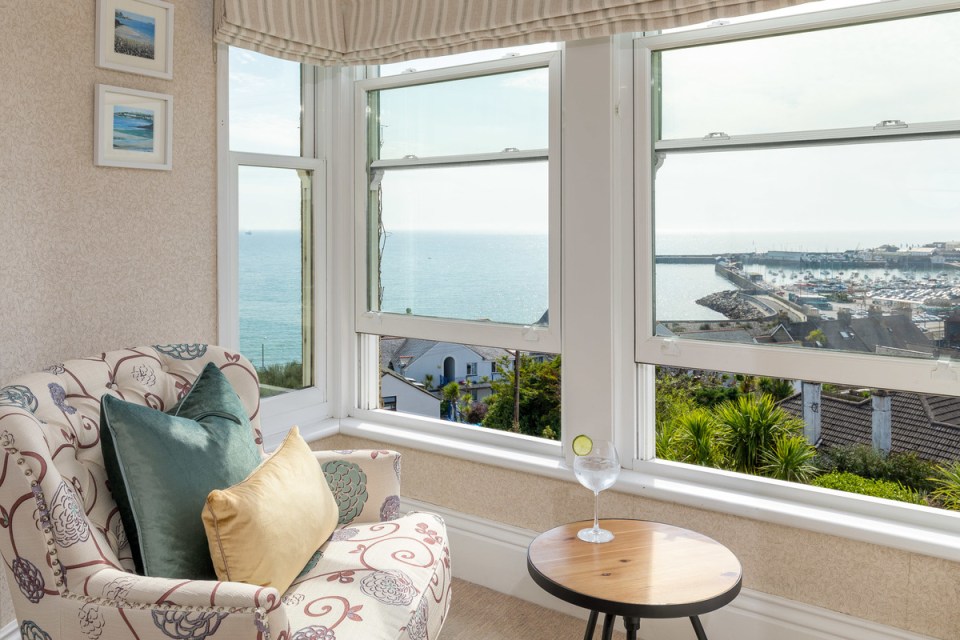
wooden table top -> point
(649, 569)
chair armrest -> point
(129, 590)
(366, 483)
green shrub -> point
(947, 484)
(285, 376)
(699, 439)
(863, 460)
(852, 483)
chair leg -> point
(608, 621)
(698, 628)
(632, 624)
(591, 625)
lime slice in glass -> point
(582, 445)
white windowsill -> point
(909, 528)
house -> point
(437, 363)
(96, 258)
(400, 394)
(927, 425)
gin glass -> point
(597, 470)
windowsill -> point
(906, 527)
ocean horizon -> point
(498, 277)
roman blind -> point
(349, 32)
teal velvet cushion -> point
(161, 466)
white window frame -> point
(309, 407)
(914, 528)
(525, 337)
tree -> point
(428, 381)
(538, 400)
(776, 387)
(816, 338)
(754, 423)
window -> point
(433, 379)
(458, 169)
(270, 182)
(794, 216)
(460, 236)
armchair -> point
(69, 566)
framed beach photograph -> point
(133, 129)
(135, 36)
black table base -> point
(631, 624)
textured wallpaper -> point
(98, 258)
(891, 587)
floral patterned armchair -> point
(71, 575)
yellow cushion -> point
(265, 529)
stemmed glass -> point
(597, 470)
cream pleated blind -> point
(326, 32)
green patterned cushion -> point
(161, 466)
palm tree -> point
(790, 458)
(753, 424)
(776, 387)
(699, 439)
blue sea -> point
(132, 129)
(145, 26)
(502, 278)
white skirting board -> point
(494, 555)
(10, 631)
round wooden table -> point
(649, 570)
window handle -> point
(944, 370)
(716, 135)
(891, 124)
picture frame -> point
(133, 129)
(136, 36)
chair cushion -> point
(247, 524)
(161, 467)
(386, 580)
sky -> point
(903, 70)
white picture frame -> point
(133, 129)
(135, 36)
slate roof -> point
(928, 425)
(391, 349)
(866, 334)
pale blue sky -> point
(898, 70)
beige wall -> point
(97, 258)
(891, 587)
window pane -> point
(485, 114)
(457, 59)
(466, 243)
(275, 327)
(471, 385)
(849, 247)
(845, 77)
(888, 444)
(264, 104)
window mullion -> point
(501, 157)
(718, 140)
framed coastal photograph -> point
(133, 129)
(135, 36)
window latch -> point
(410, 156)
(510, 150)
(943, 370)
(716, 135)
(670, 347)
(891, 124)
(530, 334)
